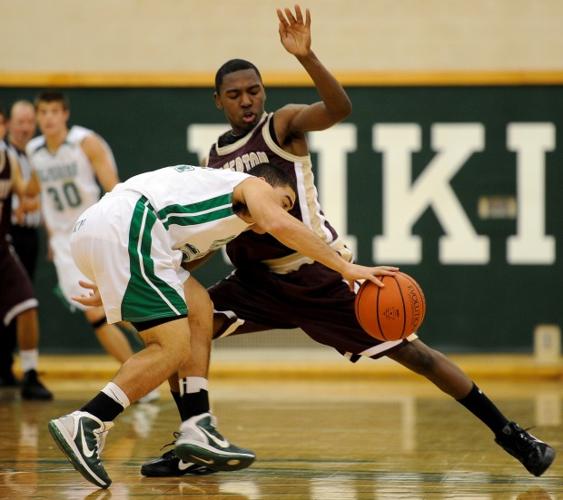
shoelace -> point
(525, 439)
(101, 436)
(176, 436)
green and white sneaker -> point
(200, 442)
(81, 437)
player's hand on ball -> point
(355, 272)
(93, 299)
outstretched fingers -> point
(373, 273)
(290, 16)
(87, 284)
(386, 270)
(283, 21)
(93, 299)
(374, 280)
(298, 14)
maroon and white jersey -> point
(5, 195)
(260, 146)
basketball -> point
(392, 312)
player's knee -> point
(176, 346)
(178, 353)
(418, 357)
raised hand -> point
(295, 33)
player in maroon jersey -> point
(17, 301)
(289, 290)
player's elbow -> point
(343, 109)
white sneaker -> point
(200, 442)
(81, 437)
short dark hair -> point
(3, 112)
(52, 95)
(231, 66)
(273, 175)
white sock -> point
(116, 393)
(190, 385)
(28, 359)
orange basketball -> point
(392, 312)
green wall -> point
(491, 305)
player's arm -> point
(101, 161)
(18, 184)
(27, 192)
(272, 218)
(335, 105)
(33, 187)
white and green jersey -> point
(194, 204)
(68, 182)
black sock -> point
(195, 403)
(180, 406)
(484, 409)
(103, 407)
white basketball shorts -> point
(121, 246)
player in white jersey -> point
(132, 244)
(72, 165)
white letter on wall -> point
(201, 136)
(404, 202)
(531, 141)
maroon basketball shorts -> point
(16, 291)
(313, 298)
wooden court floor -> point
(346, 440)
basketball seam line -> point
(404, 306)
(418, 287)
(377, 310)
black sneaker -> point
(32, 388)
(534, 454)
(169, 465)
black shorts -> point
(16, 292)
(313, 298)
(25, 240)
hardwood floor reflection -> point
(314, 440)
